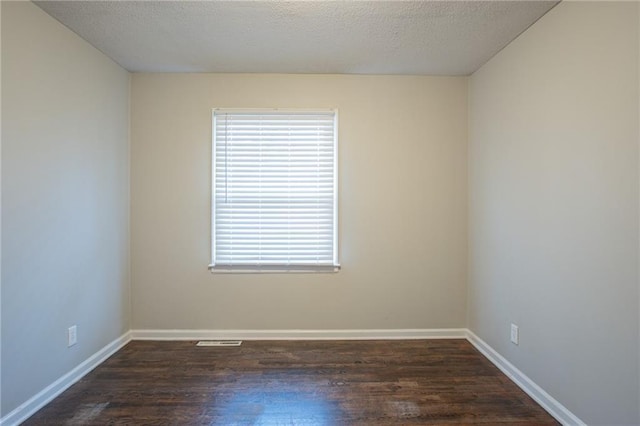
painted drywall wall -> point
(402, 205)
(65, 201)
(0, 219)
(553, 183)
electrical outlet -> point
(72, 335)
(515, 334)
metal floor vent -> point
(219, 343)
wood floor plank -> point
(430, 382)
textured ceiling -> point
(349, 37)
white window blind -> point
(274, 190)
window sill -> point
(279, 269)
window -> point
(274, 201)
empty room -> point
(320, 212)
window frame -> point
(284, 268)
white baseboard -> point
(444, 333)
(550, 404)
(42, 398)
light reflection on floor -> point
(260, 407)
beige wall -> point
(402, 154)
(553, 182)
(64, 201)
(0, 220)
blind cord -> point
(226, 158)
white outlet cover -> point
(515, 334)
(72, 336)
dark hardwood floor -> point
(295, 383)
